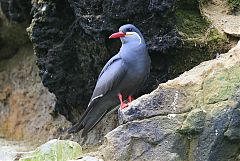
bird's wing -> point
(110, 76)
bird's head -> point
(128, 34)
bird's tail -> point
(75, 128)
(95, 112)
(86, 125)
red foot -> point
(122, 104)
(130, 98)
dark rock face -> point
(17, 10)
(160, 102)
(148, 139)
(14, 17)
(71, 43)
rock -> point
(87, 158)
(71, 43)
(13, 37)
(148, 139)
(202, 125)
(53, 150)
(194, 123)
(16, 10)
(232, 29)
(10, 150)
(27, 108)
(159, 102)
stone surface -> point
(159, 102)
(60, 150)
(16, 10)
(71, 46)
(71, 43)
(148, 139)
(202, 125)
(194, 123)
(26, 106)
(12, 37)
(218, 12)
(10, 150)
(87, 158)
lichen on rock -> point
(55, 150)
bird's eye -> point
(129, 29)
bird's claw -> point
(123, 105)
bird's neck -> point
(133, 46)
(132, 52)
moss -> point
(60, 150)
(215, 40)
(200, 41)
(194, 123)
(190, 24)
(12, 36)
(222, 85)
(234, 5)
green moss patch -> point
(200, 41)
(234, 5)
(55, 150)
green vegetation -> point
(234, 5)
(200, 40)
(60, 150)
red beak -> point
(117, 35)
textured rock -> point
(202, 125)
(53, 150)
(16, 10)
(148, 139)
(71, 42)
(87, 158)
(26, 106)
(194, 123)
(71, 46)
(12, 38)
(159, 102)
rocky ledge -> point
(193, 117)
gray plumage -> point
(124, 73)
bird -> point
(120, 78)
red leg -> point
(130, 98)
(122, 104)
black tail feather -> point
(75, 128)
